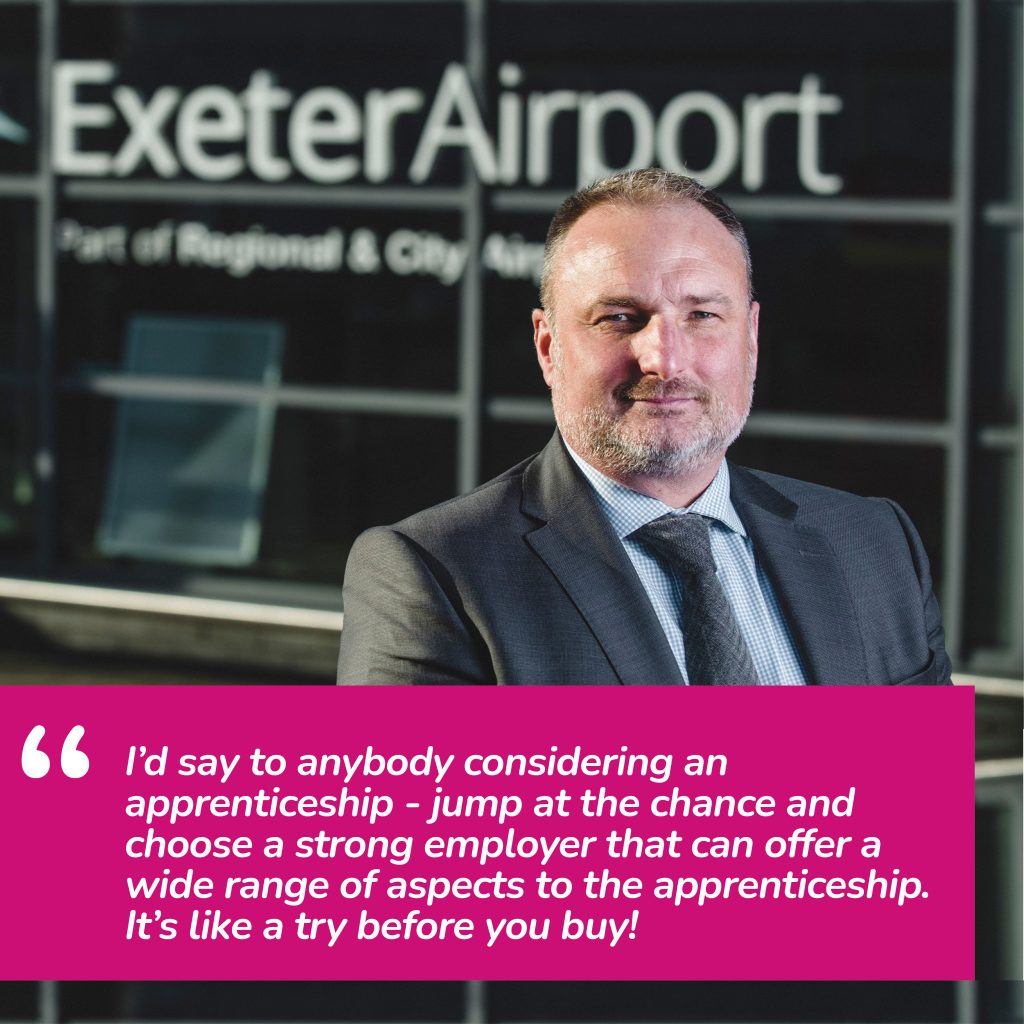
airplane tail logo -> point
(11, 131)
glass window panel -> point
(186, 481)
(18, 1000)
(1000, 1000)
(89, 1000)
(890, 65)
(146, 42)
(854, 318)
(997, 895)
(19, 124)
(998, 328)
(331, 477)
(505, 444)
(18, 333)
(712, 1002)
(511, 255)
(992, 631)
(303, 1001)
(1000, 100)
(367, 297)
(17, 479)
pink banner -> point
(515, 833)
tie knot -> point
(682, 540)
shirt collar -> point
(627, 510)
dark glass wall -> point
(370, 183)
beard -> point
(658, 445)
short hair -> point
(650, 186)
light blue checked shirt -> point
(749, 592)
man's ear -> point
(543, 339)
(755, 319)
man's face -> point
(649, 344)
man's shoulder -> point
(849, 520)
(806, 497)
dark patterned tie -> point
(716, 653)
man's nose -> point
(662, 349)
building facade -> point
(266, 277)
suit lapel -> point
(807, 579)
(579, 547)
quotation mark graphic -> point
(74, 763)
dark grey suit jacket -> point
(523, 582)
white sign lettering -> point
(330, 136)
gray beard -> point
(620, 449)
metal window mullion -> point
(247, 193)
(46, 269)
(881, 210)
(966, 1001)
(470, 294)
(48, 1006)
(21, 186)
(475, 1009)
(954, 545)
(680, 3)
(200, 3)
(471, 334)
(1003, 215)
(392, 402)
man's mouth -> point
(663, 393)
(666, 399)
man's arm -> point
(404, 619)
(932, 618)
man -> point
(629, 551)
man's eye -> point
(622, 321)
(702, 314)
